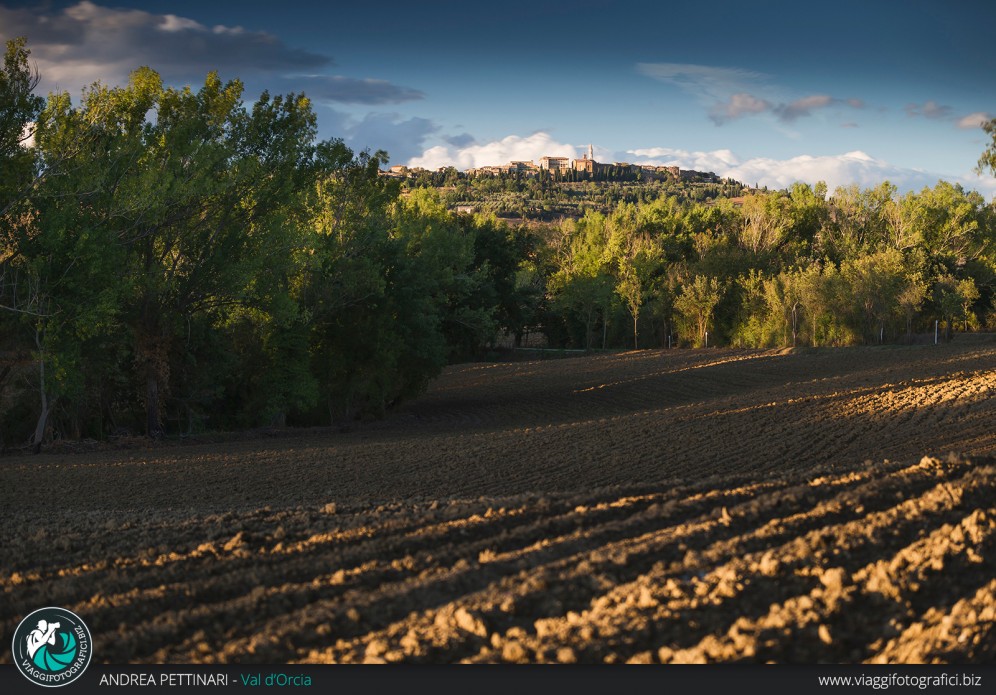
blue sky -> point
(766, 92)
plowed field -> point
(679, 506)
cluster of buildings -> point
(562, 165)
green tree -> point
(911, 297)
(988, 158)
(19, 110)
(954, 223)
(875, 282)
(583, 285)
(764, 223)
(635, 258)
(59, 270)
(826, 301)
(954, 299)
(193, 203)
(697, 302)
(783, 294)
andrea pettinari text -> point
(166, 679)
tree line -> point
(176, 260)
(779, 268)
(172, 260)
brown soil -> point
(680, 506)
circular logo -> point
(52, 647)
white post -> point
(935, 331)
(707, 338)
(881, 334)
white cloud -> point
(502, 151)
(974, 120)
(740, 104)
(171, 22)
(836, 170)
(744, 104)
(716, 161)
(803, 106)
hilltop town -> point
(564, 168)
(556, 187)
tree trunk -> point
(46, 407)
(153, 427)
(795, 325)
(636, 342)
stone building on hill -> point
(555, 163)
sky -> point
(764, 92)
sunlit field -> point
(650, 506)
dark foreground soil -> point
(680, 506)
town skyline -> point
(766, 94)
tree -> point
(988, 158)
(764, 223)
(912, 295)
(874, 282)
(784, 298)
(826, 301)
(904, 222)
(697, 302)
(19, 109)
(192, 197)
(954, 223)
(583, 285)
(954, 299)
(56, 269)
(636, 259)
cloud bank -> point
(731, 93)
(836, 170)
(501, 151)
(745, 104)
(85, 43)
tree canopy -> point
(176, 260)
